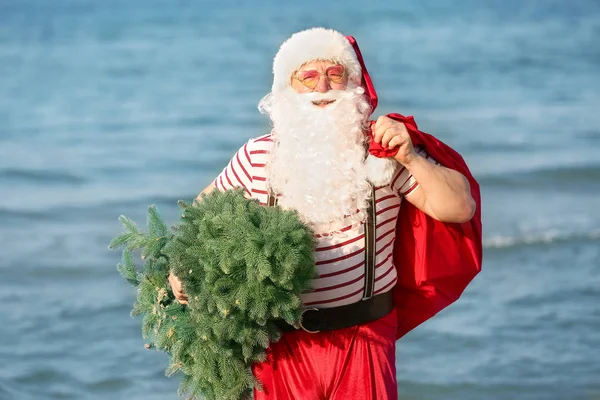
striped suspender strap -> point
(272, 200)
(370, 247)
(370, 242)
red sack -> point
(435, 260)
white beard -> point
(318, 159)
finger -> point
(396, 141)
(379, 128)
(390, 133)
(383, 120)
(174, 281)
(379, 133)
(175, 289)
(181, 297)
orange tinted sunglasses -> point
(311, 78)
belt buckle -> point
(301, 320)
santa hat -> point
(313, 44)
(327, 44)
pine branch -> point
(121, 240)
(127, 269)
(156, 227)
(242, 266)
(129, 224)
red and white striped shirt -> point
(340, 259)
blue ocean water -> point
(107, 107)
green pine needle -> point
(129, 224)
(127, 269)
(242, 266)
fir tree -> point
(242, 266)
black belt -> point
(314, 320)
(368, 309)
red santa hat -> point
(313, 44)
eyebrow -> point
(326, 69)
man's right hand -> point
(177, 288)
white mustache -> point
(329, 95)
(349, 92)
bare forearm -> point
(447, 194)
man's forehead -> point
(319, 62)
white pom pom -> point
(380, 171)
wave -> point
(7, 215)
(493, 147)
(100, 209)
(39, 176)
(572, 175)
(543, 238)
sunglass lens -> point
(310, 79)
(336, 73)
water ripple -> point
(47, 177)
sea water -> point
(107, 107)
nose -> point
(323, 85)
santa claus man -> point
(395, 214)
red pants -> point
(355, 363)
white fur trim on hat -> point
(313, 44)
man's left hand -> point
(391, 134)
